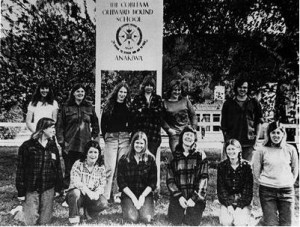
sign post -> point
(129, 36)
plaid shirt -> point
(149, 120)
(81, 176)
(235, 187)
(38, 167)
(137, 176)
(187, 175)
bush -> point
(15, 114)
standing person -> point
(241, 119)
(275, 167)
(39, 174)
(137, 179)
(187, 176)
(115, 128)
(178, 112)
(75, 121)
(147, 113)
(87, 184)
(234, 186)
(42, 104)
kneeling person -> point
(137, 179)
(187, 176)
(87, 184)
(234, 186)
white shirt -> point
(42, 110)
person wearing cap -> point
(241, 119)
(147, 113)
(187, 176)
(178, 112)
(275, 167)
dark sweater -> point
(117, 121)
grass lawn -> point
(113, 215)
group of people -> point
(131, 132)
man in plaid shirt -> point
(147, 111)
(187, 176)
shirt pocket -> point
(87, 115)
(71, 116)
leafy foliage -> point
(206, 43)
(45, 43)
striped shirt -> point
(137, 176)
(81, 176)
(38, 167)
(187, 175)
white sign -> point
(129, 37)
(219, 93)
(129, 34)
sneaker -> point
(117, 198)
(64, 204)
(16, 209)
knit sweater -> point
(276, 167)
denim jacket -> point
(74, 126)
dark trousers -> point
(189, 216)
(130, 213)
(153, 146)
(76, 200)
(69, 159)
(277, 205)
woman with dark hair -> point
(39, 174)
(234, 186)
(147, 113)
(275, 167)
(187, 176)
(137, 179)
(178, 112)
(42, 105)
(115, 128)
(87, 184)
(75, 121)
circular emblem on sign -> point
(129, 38)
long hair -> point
(236, 144)
(36, 97)
(113, 96)
(174, 83)
(42, 124)
(71, 98)
(179, 146)
(271, 127)
(145, 152)
(88, 145)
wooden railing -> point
(214, 137)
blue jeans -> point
(76, 200)
(37, 209)
(190, 216)
(277, 205)
(116, 145)
(130, 213)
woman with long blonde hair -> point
(137, 179)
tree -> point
(50, 42)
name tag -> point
(53, 156)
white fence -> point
(213, 135)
